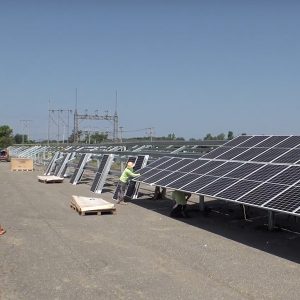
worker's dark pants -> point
(122, 191)
(176, 211)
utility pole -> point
(121, 133)
(25, 129)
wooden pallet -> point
(88, 206)
(93, 212)
(50, 179)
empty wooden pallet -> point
(50, 179)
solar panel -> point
(272, 141)
(263, 171)
(182, 181)
(250, 153)
(244, 170)
(169, 178)
(217, 152)
(238, 189)
(158, 176)
(194, 165)
(200, 182)
(288, 201)
(133, 187)
(224, 168)
(210, 165)
(217, 186)
(180, 164)
(292, 156)
(266, 172)
(269, 155)
(254, 141)
(290, 142)
(262, 194)
(289, 176)
(102, 173)
(232, 153)
(238, 140)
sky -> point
(185, 67)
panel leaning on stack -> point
(87, 205)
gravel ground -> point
(51, 252)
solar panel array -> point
(261, 171)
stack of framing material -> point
(87, 205)
(50, 179)
(21, 164)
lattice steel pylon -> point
(95, 117)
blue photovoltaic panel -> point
(232, 153)
(159, 175)
(289, 176)
(252, 170)
(254, 141)
(262, 194)
(169, 178)
(289, 143)
(250, 154)
(216, 152)
(158, 162)
(168, 163)
(291, 157)
(288, 201)
(244, 170)
(184, 180)
(238, 140)
(194, 165)
(182, 163)
(144, 170)
(198, 183)
(272, 141)
(208, 167)
(266, 172)
(237, 190)
(216, 186)
(269, 155)
(224, 168)
(148, 174)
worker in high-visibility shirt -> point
(179, 209)
(127, 174)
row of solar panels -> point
(266, 184)
(277, 149)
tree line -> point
(7, 138)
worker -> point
(179, 209)
(2, 230)
(159, 194)
(127, 174)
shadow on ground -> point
(228, 220)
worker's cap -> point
(130, 164)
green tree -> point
(230, 135)
(6, 136)
(21, 138)
(171, 136)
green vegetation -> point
(6, 136)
